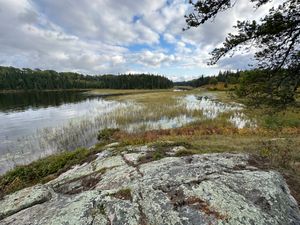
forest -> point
(27, 79)
(259, 86)
(227, 77)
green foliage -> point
(40, 170)
(161, 149)
(264, 87)
(186, 152)
(276, 37)
(27, 79)
(213, 81)
(227, 77)
(106, 134)
(279, 121)
(278, 151)
(158, 154)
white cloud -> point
(102, 36)
(169, 38)
(154, 59)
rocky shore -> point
(127, 188)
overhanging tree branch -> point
(275, 37)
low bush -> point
(42, 170)
(279, 151)
(106, 134)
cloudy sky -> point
(115, 36)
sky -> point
(117, 36)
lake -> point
(37, 124)
(32, 123)
(21, 113)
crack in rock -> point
(131, 164)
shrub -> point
(278, 151)
(106, 134)
(280, 121)
(41, 170)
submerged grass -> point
(267, 117)
(276, 138)
(155, 106)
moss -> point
(43, 170)
(101, 209)
(123, 194)
(157, 155)
(185, 153)
(170, 144)
(153, 156)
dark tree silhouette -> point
(26, 79)
(276, 38)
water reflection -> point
(35, 127)
(21, 101)
(212, 108)
(66, 127)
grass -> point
(153, 156)
(123, 194)
(280, 148)
(125, 92)
(106, 134)
(267, 117)
(152, 106)
(170, 144)
(276, 139)
(44, 170)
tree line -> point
(27, 79)
(258, 86)
(227, 77)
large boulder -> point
(198, 189)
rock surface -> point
(120, 189)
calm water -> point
(36, 124)
(23, 113)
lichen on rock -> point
(119, 189)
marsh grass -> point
(130, 110)
(266, 117)
(44, 170)
(276, 138)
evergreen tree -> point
(276, 38)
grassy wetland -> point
(202, 121)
